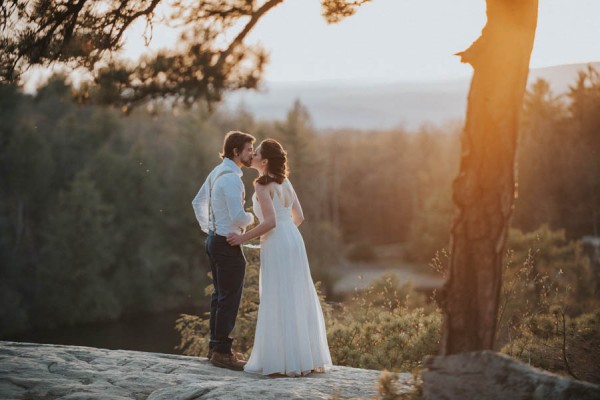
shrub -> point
(377, 329)
(548, 314)
(557, 343)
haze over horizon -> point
(384, 105)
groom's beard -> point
(247, 163)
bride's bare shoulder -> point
(263, 189)
(259, 187)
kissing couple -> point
(290, 337)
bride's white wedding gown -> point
(290, 336)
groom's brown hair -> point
(235, 140)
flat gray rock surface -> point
(39, 371)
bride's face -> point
(258, 163)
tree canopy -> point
(210, 58)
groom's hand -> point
(234, 239)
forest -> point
(96, 219)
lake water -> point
(143, 332)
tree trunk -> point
(484, 190)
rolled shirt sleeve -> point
(233, 190)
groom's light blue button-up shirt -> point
(227, 201)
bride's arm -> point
(269, 222)
(297, 214)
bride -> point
(290, 336)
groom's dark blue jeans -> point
(228, 267)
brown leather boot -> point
(229, 361)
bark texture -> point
(484, 190)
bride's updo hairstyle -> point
(277, 170)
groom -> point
(219, 208)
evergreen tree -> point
(79, 249)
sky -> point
(401, 40)
(391, 40)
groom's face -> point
(246, 155)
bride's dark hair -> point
(277, 169)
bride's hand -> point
(234, 239)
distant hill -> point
(379, 106)
(561, 76)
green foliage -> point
(13, 315)
(310, 175)
(543, 268)
(145, 169)
(559, 158)
(378, 329)
(384, 327)
(31, 175)
(78, 250)
(323, 243)
(548, 310)
(571, 348)
(396, 339)
(430, 231)
(95, 210)
(210, 58)
(435, 162)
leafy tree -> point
(21, 205)
(434, 157)
(585, 117)
(304, 159)
(545, 148)
(77, 254)
(370, 179)
(84, 34)
(558, 158)
(308, 174)
(145, 170)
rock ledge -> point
(39, 371)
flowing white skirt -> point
(290, 334)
